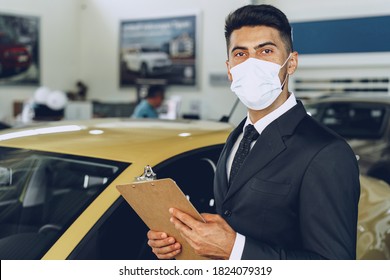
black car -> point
(364, 123)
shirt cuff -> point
(238, 247)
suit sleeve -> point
(328, 209)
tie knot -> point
(250, 133)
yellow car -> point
(58, 196)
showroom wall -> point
(303, 10)
(353, 66)
(80, 41)
(59, 47)
(100, 44)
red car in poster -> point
(14, 57)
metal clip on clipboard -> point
(148, 175)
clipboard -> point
(151, 200)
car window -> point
(41, 194)
(351, 120)
(121, 234)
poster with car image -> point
(19, 50)
(161, 48)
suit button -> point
(227, 213)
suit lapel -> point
(269, 145)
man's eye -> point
(267, 51)
(240, 54)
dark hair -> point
(255, 15)
(155, 90)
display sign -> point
(163, 48)
(19, 50)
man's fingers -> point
(184, 218)
(210, 217)
(163, 247)
(181, 227)
(168, 256)
(156, 235)
(161, 242)
(166, 249)
(166, 252)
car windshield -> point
(351, 120)
(42, 193)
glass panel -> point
(352, 120)
(48, 191)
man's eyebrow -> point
(259, 46)
(265, 44)
(238, 48)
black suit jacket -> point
(296, 195)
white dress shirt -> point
(260, 125)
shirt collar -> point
(261, 124)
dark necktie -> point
(250, 134)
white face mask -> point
(256, 82)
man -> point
(147, 108)
(295, 195)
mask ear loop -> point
(289, 56)
(284, 82)
(285, 79)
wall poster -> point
(19, 50)
(163, 48)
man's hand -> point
(213, 239)
(163, 246)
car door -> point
(121, 234)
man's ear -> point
(228, 71)
(292, 63)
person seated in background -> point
(147, 108)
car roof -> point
(118, 139)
